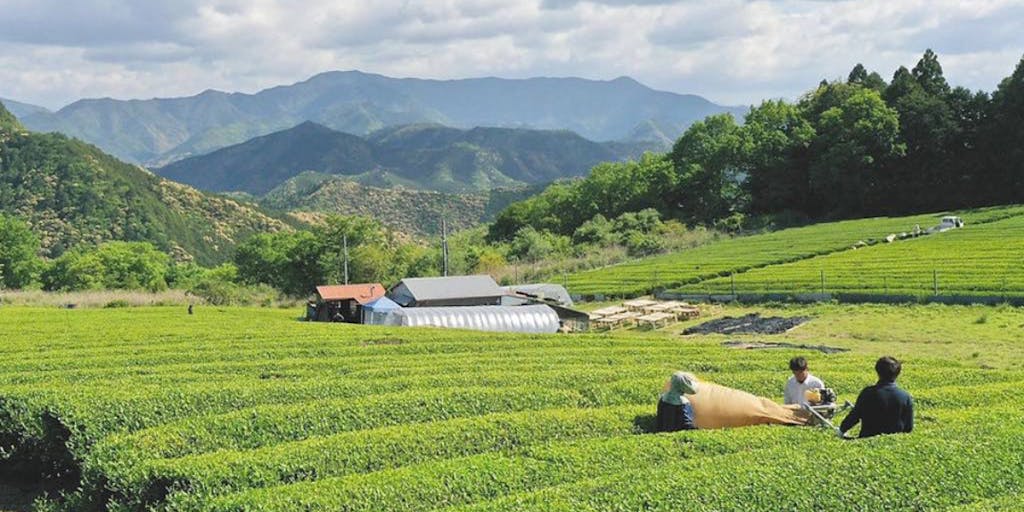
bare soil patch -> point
(753, 323)
(762, 345)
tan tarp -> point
(717, 406)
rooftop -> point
(452, 287)
(361, 293)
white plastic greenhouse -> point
(526, 319)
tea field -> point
(982, 259)
(249, 409)
(792, 260)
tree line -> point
(849, 148)
(289, 262)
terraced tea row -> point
(982, 259)
(275, 414)
(690, 268)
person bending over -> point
(800, 382)
(883, 408)
(674, 409)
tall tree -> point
(859, 75)
(19, 254)
(708, 159)
(856, 138)
(1004, 138)
(970, 112)
(928, 73)
(925, 178)
(777, 137)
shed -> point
(343, 302)
(541, 291)
(380, 312)
(571, 320)
(525, 319)
(446, 291)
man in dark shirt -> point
(883, 408)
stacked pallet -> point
(643, 312)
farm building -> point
(421, 292)
(342, 303)
(525, 319)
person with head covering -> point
(674, 410)
(883, 408)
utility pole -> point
(344, 243)
(444, 247)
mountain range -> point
(72, 193)
(159, 131)
(427, 157)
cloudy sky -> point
(730, 51)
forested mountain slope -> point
(429, 157)
(72, 193)
(415, 212)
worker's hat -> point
(684, 382)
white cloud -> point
(731, 51)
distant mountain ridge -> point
(159, 131)
(23, 110)
(71, 193)
(427, 157)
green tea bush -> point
(249, 409)
(790, 260)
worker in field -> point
(883, 408)
(674, 409)
(801, 381)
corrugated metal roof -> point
(361, 293)
(543, 291)
(452, 287)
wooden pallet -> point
(656, 320)
(608, 311)
(638, 304)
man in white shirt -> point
(800, 382)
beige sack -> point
(717, 406)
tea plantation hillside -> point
(981, 259)
(249, 409)
(708, 267)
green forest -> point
(846, 149)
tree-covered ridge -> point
(410, 211)
(425, 156)
(71, 193)
(860, 147)
(8, 122)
